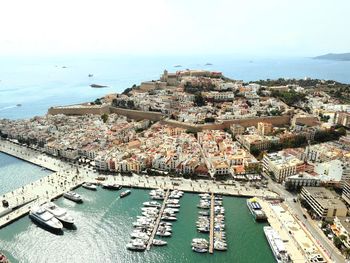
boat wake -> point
(8, 107)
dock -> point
(211, 233)
(150, 241)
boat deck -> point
(150, 241)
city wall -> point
(76, 110)
(137, 115)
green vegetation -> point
(199, 100)
(324, 118)
(289, 97)
(104, 117)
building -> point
(258, 141)
(237, 129)
(341, 227)
(282, 165)
(323, 203)
(343, 118)
(346, 191)
(297, 181)
(264, 128)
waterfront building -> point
(282, 165)
(302, 179)
(323, 202)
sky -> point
(247, 27)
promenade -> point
(67, 176)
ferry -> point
(256, 210)
(58, 212)
(277, 245)
(125, 193)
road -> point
(314, 230)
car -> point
(294, 200)
(304, 216)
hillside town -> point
(200, 124)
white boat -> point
(75, 197)
(136, 245)
(45, 219)
(90, 186)
(199, 250)
(58, 212)
(139, 235)
(158, 242)
(173, 205)
(169, 218)
(163, 233)
(111, 186)
(152, 204)
(277, 245)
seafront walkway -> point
(67, 176)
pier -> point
(211, 233)
(150, 241)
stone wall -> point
(137, 115)
(79, 110)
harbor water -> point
(104, 223)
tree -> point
(199, 100)
(337, 242)
(104, 117)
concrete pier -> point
(156, 225)
(211, 232)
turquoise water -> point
(39, 83)
(104, 223)
(15, 173)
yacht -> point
(277, 245)
(136, 245)
(152, 204)
(163, 233)
(256, 210)
(90, 186)
(111, 186)
(200, 250)
(173, 205)
(75, 197)
(58, 212)
(158, 242)
(45, 218)
(125, 193)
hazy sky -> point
(254, 27)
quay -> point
(211, 232)
(156, 225)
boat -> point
(256, 210)
(158, 242)
(125, 193)
(90, 75)
(19, 105)
(136, 245)
(163, 233)
(90, 186)
(173, 205)
(177, 66)
(200, 250)
(75, 197)
(152, 204)
(58, 212)
(45, 219)
(3, 258)
(169, 218)
(277, 245)
(98, 86)
(111, 186)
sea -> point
(30, 85)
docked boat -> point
(136, 245)
(220, 246)
(169, 218)
(111, 186)
(173, 205)
(200, 250)
(152, 204)
(58, 212)
(75, 197)
(256, 210)
(277, 245)
(125, 193)
(45, 219)
(163, 233)
(90, 186)
(3, 258)
(158, 242)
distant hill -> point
(332, 56)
